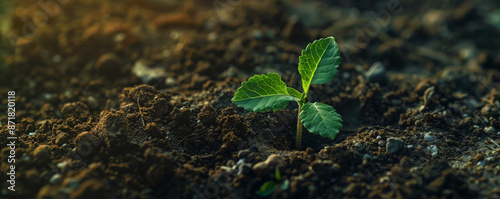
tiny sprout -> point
(317, 65)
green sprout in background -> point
(318, 64)
(268, 187)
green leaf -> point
(319, 62)
(321, 119)
(267, 189)
(294, 93)
(277, 174)
(263, 93)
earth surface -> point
(132, 99)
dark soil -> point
(132, 99)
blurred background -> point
(164, 42)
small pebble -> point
(428, 137)
(394, 145)
(346, 75)
(31, 134)
(56, 178)
(243, 153)
(471, 102)
(378, 137)
(410, 146)
(273, 160)
(476, 126)
(62, 164)
(170, 81)
(147, 73)
(489, 129)
(257, 34)
(358, 145)
(47, 96)
(92, 101)
(376, 73)
(432, 148)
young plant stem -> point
(299, 131)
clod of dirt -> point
(41, 154)
(394, 145)
(145, 95)
(75, 109)
(231, 143)
(180, 116)
(266, 166)
(113, 130)
(324, 167)
(208, 115)
(153, 130)
(85, 143)
(48, 111)
(440, 178)
(91, 188)
(155, 175)
(109, 65)
(61, 138)
(163, 167)
(230, 121)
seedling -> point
(268, 187)
(317, 65)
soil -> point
(132, 99)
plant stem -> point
(299, 130)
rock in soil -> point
(394, 145)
